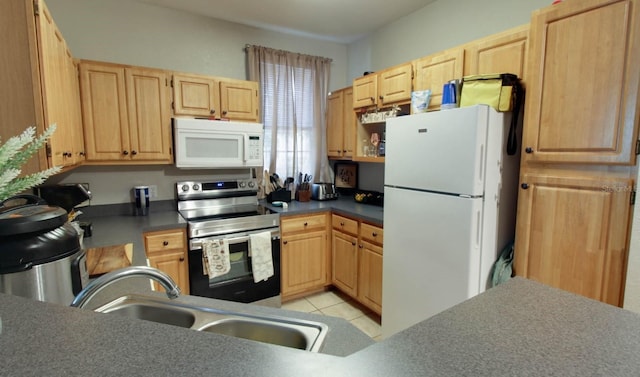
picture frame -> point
(346, 175)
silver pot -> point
(40, 253)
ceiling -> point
(342, 21)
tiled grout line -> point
(373, 333)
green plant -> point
(13, 154)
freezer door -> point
(442, 151)
(432, 253)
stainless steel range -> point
(228, 210)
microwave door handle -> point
(246, 147)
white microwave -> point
(214, 144)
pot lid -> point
(31, 219)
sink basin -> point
(274, 332)
(155, 313)
(282, 331)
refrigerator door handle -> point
(482, 164)
(478, 228)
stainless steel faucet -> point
(103, 281)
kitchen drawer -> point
(297, 224)
(344, 224)
(164, 240)
(371, 233)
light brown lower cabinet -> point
(370, 279)
(167, 251)
(344, 248)
(304, 255)
(357, 260)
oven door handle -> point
(197, 244)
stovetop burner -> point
(221, 207)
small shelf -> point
(368, 159)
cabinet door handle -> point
(305, 224)
(524, 186)
(213, 111)
(360, 246)
(126, 153)
(372, 99)
(353, 243)
(181, 259)
(284, 242)
(134, 152)
(224, 112)
(165, 243)
(529, 150)
(374, 234)
(381, 97)
(341, 223)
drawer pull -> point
(353, 244)
(165, 243)
(341, 223)
(181, 259)
(374, 234)
(284, 242)
(305, 224)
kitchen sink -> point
(282, 331)
(154, 313)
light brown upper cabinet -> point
(382, 89)
(365, 91)
(433, 71)
(207, 96)
(504, 52)
(341, 123)
(126, 114)
(394, 84)
(39, 84)
(582, 91)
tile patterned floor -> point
(337, 304)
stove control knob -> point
(185, 188)
(196, 187)
(242, 184)
(252, 184)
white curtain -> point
(294, 99)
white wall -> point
(438, 26)
(124, 31)
(127, 32)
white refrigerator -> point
(450, 192)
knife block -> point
(303, 195)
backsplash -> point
(113, 184)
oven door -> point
(237, 285)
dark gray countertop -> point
(114, 226)
(344, 205)
(520, 328)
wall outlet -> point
(153, 191)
